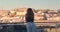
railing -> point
(48, 26)
(41, 26)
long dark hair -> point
(30, 13)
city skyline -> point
(37, 4)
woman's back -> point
(29, 15)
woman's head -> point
(29, 10)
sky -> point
(37, 4)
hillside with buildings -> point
(18, 14)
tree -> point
(46, 11)
(35, 10)
(58, 11)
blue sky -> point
(37, 4)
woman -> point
(30, 21)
